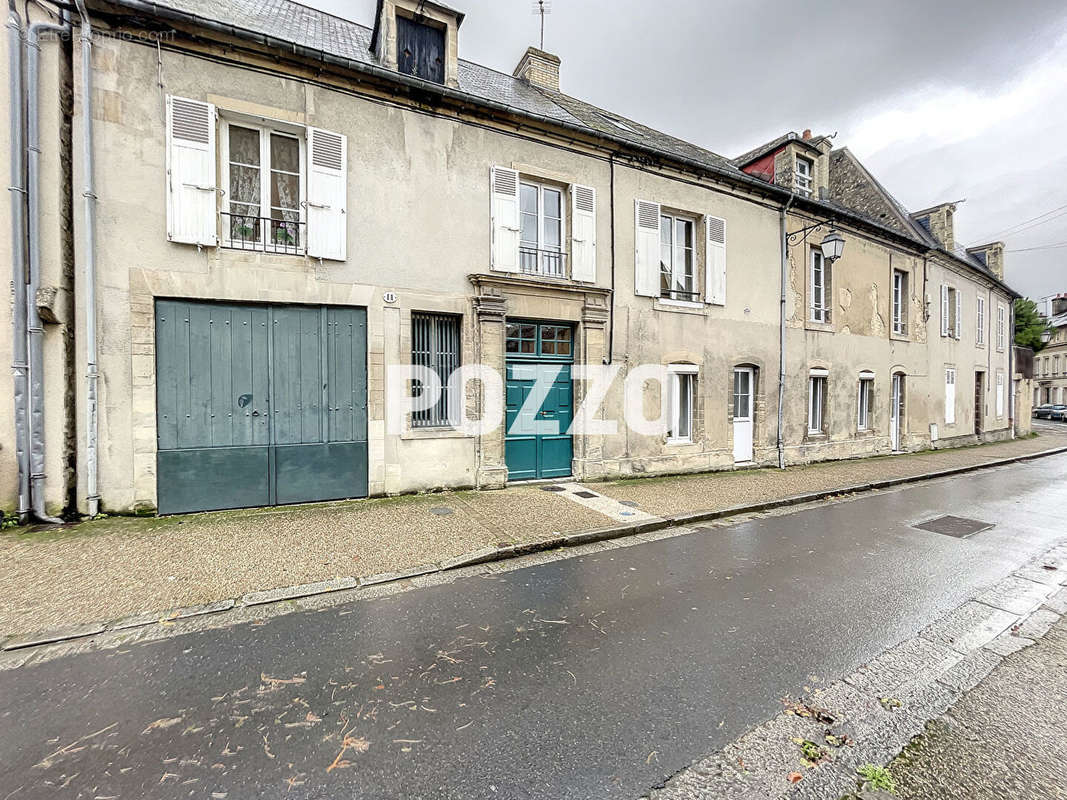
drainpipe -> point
(89, 194)
(20, 364)
(33, 318)
(1009, 342)
(781, 331)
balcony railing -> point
(535, 261)
(265, 234)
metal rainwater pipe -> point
(20, 356)
(781, 331)
(89, 195)
(33, 317)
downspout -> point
(611, 302)
(781, 331)
(33, 318)
(89, 195)
(1009, 336)
(20, 363)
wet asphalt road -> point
(590, 677)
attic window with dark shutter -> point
(420, 49)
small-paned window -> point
(677, 271)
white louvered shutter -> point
(583, 233)
(646, 250)
(715, 278)
(505, 218)
(944, 310)
(959, 316)
(192, 197)
(327, 195)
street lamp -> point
(833, 244)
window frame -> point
(821, 379)
(265, 130)
(819, 313)
(980, 322)
(692, 295)
(900, 300)
(865, 402)
(542, 253)
(951, 322)
(950, 408)
(803, 181)
(437, 417)
(677, 374)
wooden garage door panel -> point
(288, 379)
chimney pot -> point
(807, 133)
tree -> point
(1030, 325)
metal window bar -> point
(246, 232)
(435, 344)
(538, 261)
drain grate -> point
(441, 511)
(552, 489)
(585, 494)
(960, 527)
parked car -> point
(1043, 411)
(1058, 413)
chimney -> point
(938, 221)
(807, 133)
(992, 255)
(539, 68)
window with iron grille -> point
(435, 343)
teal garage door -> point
(539, 357)
(259, 405)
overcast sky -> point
(941, 99)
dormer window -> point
(802, 175)
(419, 38)
(420, 49)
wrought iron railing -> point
(536, 261)
(679, 294)
(245, 232)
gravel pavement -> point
(1006, 739)
(716, 490)
(111, 568)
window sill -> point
(822, 327)
(434, 433)
(679, 442)
(537, 277)
(679, 306)
(899, 337)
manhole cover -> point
(960, 527)
(552, 489)
(441, 511)
(585, 494)
(630, 503)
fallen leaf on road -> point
(159, 724)
(794, 777)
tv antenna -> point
(542, 7)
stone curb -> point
(484, 555)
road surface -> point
(590, 677)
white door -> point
(743, 414)
(894, 411)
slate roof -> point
(768, 147)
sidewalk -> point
(1005, 738)
(111, 568)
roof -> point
(324, 36)
(769, 147)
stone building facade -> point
(1050, 365)
(355, 199)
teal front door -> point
(259, 405)
(539, 400)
